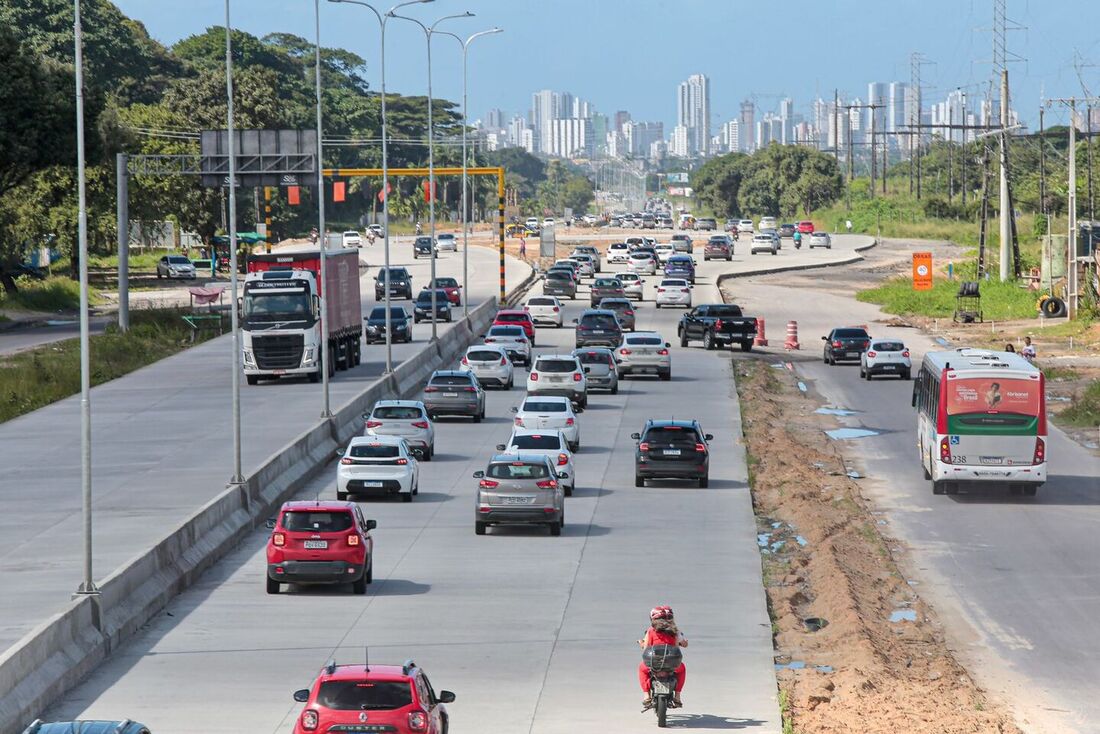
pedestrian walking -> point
(848, 224)
(523, 247)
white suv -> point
(559, 374)
(618, 252)
(381, 465)
(549, 443)
(489, 363)
(885, 357)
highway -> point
(1014, 579)
(161, 448)
(533, 633)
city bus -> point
(981, 420)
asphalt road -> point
(533, 633)
(21, 339)
(1014, 579)
(161, 448)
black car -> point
(400, 283)
(422, 309)
(786, 230)
(422, 246)
(845, 343)
(559, 282)
(598, 328)
(399, 322)
(672, 449)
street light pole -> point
(465, 165)
(238, 477)
(325, 363)
(87, 586)
(382, 18)
(428, 31)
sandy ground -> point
(833, 585)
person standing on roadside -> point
(1028, 350)
(523, 247)
(848, 224)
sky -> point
(631, 54)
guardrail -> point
(53, 657)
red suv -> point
(806, 227)
(315, 542)
(372, 698)
(515, 317)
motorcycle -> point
(797, 243)
(662, 661)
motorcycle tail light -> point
(576, 377)
(945, 450)
(546, 484)
(562, 459)
(1040, 455)
(309, 720)
(373, 424)
(418, 721)
(420, 424)
(488, 484)
(353, 539)
(278, 539)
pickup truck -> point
(717, 324)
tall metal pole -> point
(950, 161)
(1005, 204)
(1043, 168)
(122, 205)
(1071, 244)
(326, 366)
(87, 586)
(238, 477)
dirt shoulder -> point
(857, 649)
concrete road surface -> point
(534, 633)
(1015, 579)
(162, 448)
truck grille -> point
(277, 352)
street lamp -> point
(238, 478)
(326, 411)
(428, 31)
(382, 18)
(465, 126)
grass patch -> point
(1000, 301)
(30, 380)
(1085, 410)
(1059, 373)
(56, 293)
(785, 711)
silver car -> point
(821, 239)
(586, 265)
(633, 285)
(175, 266)
(645, 352)
(450, 392)
(407, 419)
(642, 262)
(588, 250)
(489, 363)
(519, 489)
(514, 340)
(602, 368)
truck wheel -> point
(252, 379)
(746, 346)
(708, 340)
(683, 338)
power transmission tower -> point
(1078, 64)
(916, 61)
(1001, 59)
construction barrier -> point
(761, 338)
(792, 336)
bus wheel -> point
(939, 487)
(927, 474)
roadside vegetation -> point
(51, 295)
(1084, 411)
(35, 378)
(1000, 301)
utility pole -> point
(916, 61)
(885, 162)
(836, 126)
(871, 188)
(1042, 167)
(1088, 149)
(983, 229)
(965, 152)
(1005, 202)
(950, 144)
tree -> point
(577, 194)
(717, 184)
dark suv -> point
(422, 309)
(599, 327)
(422, 246)
(672, 449)
(399, 322)
(400, 283)
(845, 343)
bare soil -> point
(826, 561)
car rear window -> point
(374, 451)
(607, 283)
(593, 357)
(599, 321)
(724, 311)
(451, 380)
(506, 331)
(446, 283)
(541, 302)
(543, 442)
(641, 256)
(517, 470)
(850, 334)
(559, 275)
(351, 695)
(178, 260)
(483, 355)
(888, 346)
(426, 296)
(320, 521)
(512, 317)
(644, 341)
(556, 365)
(671, 435)
(674, 282)
(397, 412)
(543, 406)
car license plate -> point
(278, 372)
(516, 500)
(672, 452)
(992, 459)
(889, 367)
(372, 484)
(450, 395)
(316, 544)
(851, 354)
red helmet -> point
(660, 613)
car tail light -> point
(945, 450)
(518, 421)
(429, 388)
(866, 344)
(534, 376)
(662, 352)
(660, 290)
(503, 361)
(420, 424)
(701, 447)
(643, 446)
(628, 312)
(490, 340)
(353, 539)
(718, 324)
(905, 353)
(346, 461)
(576, 377)
(373, 424)
(402, 462)
(685, 290)
(562, 459)
(546, 484)
(418, 721)
(465, 361)
(309, 720)
(1040, 452)
(526, 307)
(569, 421)
(556, 309)
(624, 351)
(488, 484)
(278, 539)
(871, 354)
(837, 344)
(469, 388)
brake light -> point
(1040, 452)
(576, 377)
(945, 450)
(624, 351)
(660, 290)
(718, 324)
(278, 539)
(503, 361)
(488, 484)
(346, 461)
(701, 447)
(429, 388)
(418, 721)
(644, 446)
(469, 388)
(402, 462)
(837, 344)
(465, 361)
(569, 421)
(905, 353)
(871, 354)
(518, 421)
(546, 484)
(534, 376)
(353, 539)
(628, 312)
(866, 344)
(420, 424)
(685, 290)
(556, 309)
(562, 459)
(373, 424)
(662, 352)
(309, 720)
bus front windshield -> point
(993, 406)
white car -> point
(768, 223)
(664, 251)
(632, 243)
(531, 223)
(559, 374)
(885, 357)
(745, 226)
(381, 465)
(514, 341)
(821, 239)
(633, 285)
(489, 363)
(764, 243)
(407, 419)
(549, 412)
(446, 241)
(673, 292)
(351, 238)
(378, 230)
(544, 310)
(548, 222)
(552, 444)
(591, 219)
(642, 263)
(644, 352)
(618, 252)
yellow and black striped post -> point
(500, 233)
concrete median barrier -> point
(56, 655)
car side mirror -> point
(587, 370)
(269, 523)
(501, 447)
(562, 475)
(372, 524)
(515, 409)
(708, 436)
(667, 345)
(636, 436)
(302, 695)
(446, 697)
(338, 453)
(479, 475)
(824, 338)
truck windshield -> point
(278, 306)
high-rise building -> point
(693, 112)
(494, 119)
(896, 119)
(621, 117)
(787, 120)
(547, 105)
(527, 140)
(516, 126)
(748, 124)
(731, 136)
(877, 94)
(570, 136)
(679, 145)
(600, 126)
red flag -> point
(337, 190)
(382, 194)
(292, 195)
(429, 191)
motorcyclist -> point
(797, 239)
(662, 631)
(419, 229)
